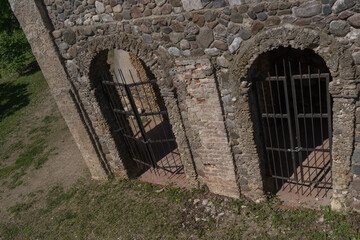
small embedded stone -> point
(244, 34)
(108, 9)
(159, 3)
(252, 15)
(191, 29)
(100, 8)
(272, 21)
(86, 31)
(256, 27)
(147, 38)
(235, 44)
(106, 18)
(135, 12)
(212, 51)
(234, 2)
(341, 5)
(219, 3)
(176, 3)
(356, 57)
(355, 20)
(205, 37)
(184, 44)
(222, 61)
(166, 9)
(236, 18)
(189, 5)
(308, 9)
(233, 28)
(174, 51)
(220, 45)
(345, 14)
(223, 22)
(63, 46)
(210, 16)
(69, 36)
(117, 9)
(57, 33)
(258, 8)
(242, 8)
(262, 16)
(126, 14)
(90, 2)
(220, 30)
(326, 10)
(175, 37)
(339, 28)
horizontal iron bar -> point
(281, 78)
(142, 162)
(314, 115)
(153, 113)
(315, 75)
(140, 114)
(272, 115)
(303, 149)
(123, 112)
(129, 85)
(162, 140)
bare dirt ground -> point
(64, 165)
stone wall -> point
(200, 52)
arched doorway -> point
(130, 100)
(293, 114)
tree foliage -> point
(15, 51)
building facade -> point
(259, 94)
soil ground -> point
(46, 191)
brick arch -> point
(158, 62)
(342, 88)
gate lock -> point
(297, 149)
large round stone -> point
(205, 37)
(308, 9)
(339, 28)
(355, 20)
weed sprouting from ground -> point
(129, 209)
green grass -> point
(29, 148)
(133, 210)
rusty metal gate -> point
(143, 122)
(295, 112)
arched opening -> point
(291, 109)
(130, 100)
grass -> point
(128, 209)
(29, 147)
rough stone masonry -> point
(200, 52)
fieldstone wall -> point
(200, 52)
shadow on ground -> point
(13, 97)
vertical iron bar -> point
(119, 122)
(321, 128)
(138, 119)
(313, 134)
(282, 120)
(141, 103)
(151, 109)
(276, 129)
(329, 123)
(291, 134)
(269, 132)
(164, 131)
(296, 124)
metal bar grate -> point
(295, 112)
